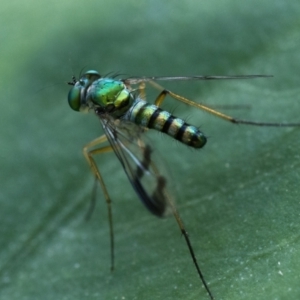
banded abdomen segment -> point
(151, 116)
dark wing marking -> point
(135, 80)
(135, 155)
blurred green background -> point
(238, 197)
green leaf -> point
(238, 197)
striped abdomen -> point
(151, 116)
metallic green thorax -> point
(113, 97)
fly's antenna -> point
(73, 82)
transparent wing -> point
(135, 155)
(135, 80)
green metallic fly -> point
(125, 116)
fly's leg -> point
(142, 90)
(161, 190)
(188, 242)
(88, 154)
(93, 200)
(161, 97)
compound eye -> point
(92, 75)
(74, 97)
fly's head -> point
(77, 97)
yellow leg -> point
(88, 154)
(142, 90)
(161, 97)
